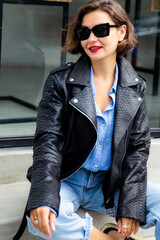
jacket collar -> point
(127, 74)
(80, 74)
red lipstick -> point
(94, 49)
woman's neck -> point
(104, 70)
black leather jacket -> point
(66, 134)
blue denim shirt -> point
(100, 157)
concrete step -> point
(12, 204)
(14, 163)
(14, 190)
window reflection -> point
(31, 41)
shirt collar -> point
(114, 87)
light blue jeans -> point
(84, 189)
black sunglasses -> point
(101, 30)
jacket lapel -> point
(127, 100)
(82, 98)
(127, 104)
(85, 104)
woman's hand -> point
(127, 226)
(43, 214)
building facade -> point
(31, 37)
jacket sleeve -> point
(132, 200)
(48, 144)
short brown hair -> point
(118, 16)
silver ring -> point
(124, 226)
(35, 220)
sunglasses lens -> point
(83, 33)
(101, 30)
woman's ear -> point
(122, 32)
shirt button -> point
(96, 165)
(99, 145)
(136, 79)
(71, 79)
(103, 125)
(75, 100)
(139, 99)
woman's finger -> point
(126, 228)
(52, 221)
(34, 219)
(119, 224)
(132, 227)
(44, 225)
(137, 227)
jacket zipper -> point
(95, 141)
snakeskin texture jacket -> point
(66, 134)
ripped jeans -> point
(84, 189)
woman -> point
(92, 139)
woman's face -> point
(101, 48)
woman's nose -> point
(92, 37)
